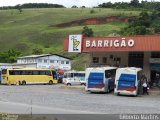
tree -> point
(74, 6)
(135, 3)
(106, 5)
(157, 29)
(140, 30)
(87, 32)
(92, 11)
(37, 51)
(19, 8)
(144, 19)
(83, 6)
(9, 56)
(12, 55)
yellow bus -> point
(25, 76)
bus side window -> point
(17, 72)
(76, 75)
(28, 72)
(23, 72)
(54, 74)
(48, 73)
(35, 72)
(113, 73)
(11, 72)
(71, 75)
(42, 72)
(107, 74)
(110, 73)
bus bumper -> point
(124, 92)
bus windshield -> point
(4, 71)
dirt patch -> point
(94, 21)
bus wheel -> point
(118, 94)
(50, 82)
(83, 84)
(68, 84)
(19, 82)
(23, 82)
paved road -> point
(54, 99)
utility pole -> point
(31, 107)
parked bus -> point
(25, 76)
(74, 78)
(127, 81)
(100, 79)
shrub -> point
(92, 11)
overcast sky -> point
(67, 3)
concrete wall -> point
(110, 61)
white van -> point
(74, 78)
(100, 79)
(127, 81)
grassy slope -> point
(31, 28)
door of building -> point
(155, 74)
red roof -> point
(141, 43)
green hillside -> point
(30, 29)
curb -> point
(72, 87)
(154, 92)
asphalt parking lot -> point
(54, 99)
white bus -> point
(100, 79)
(74, 78)
(127, 81)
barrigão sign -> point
(109, 43)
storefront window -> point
(155, 55)
(95, 60)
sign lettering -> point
(109, 43)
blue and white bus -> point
(127, 81)
(100, 79)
